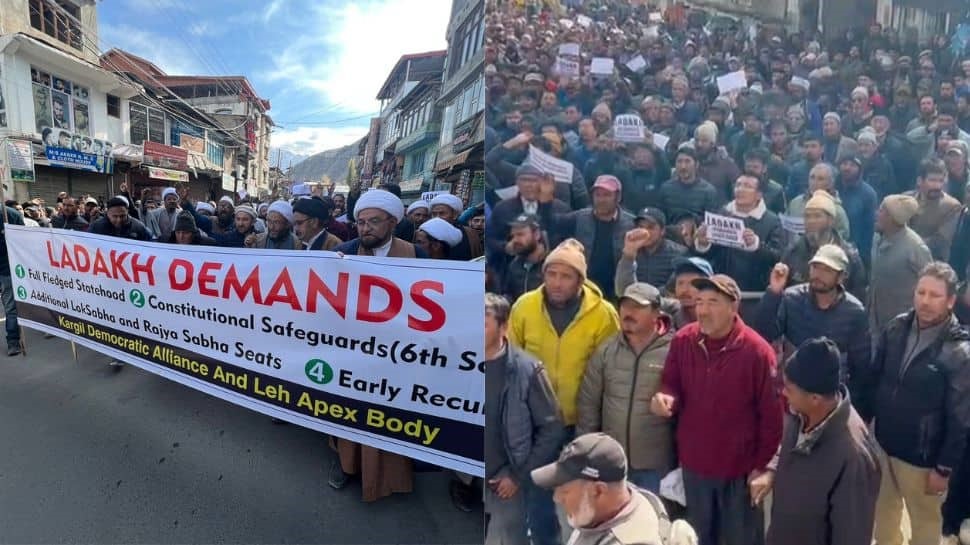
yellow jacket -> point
(564, 358)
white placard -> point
(724, 230)
(374, 350)
(601, 66)
(569, 49)
(567, 67)
(731, 82)
(507, 192)
(792, 224)
(636, 64)
(566, 23)
(628, 128)
(561, 170)
(655, 17)
(660, 140)
(584, 21)
(429, 195)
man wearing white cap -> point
(448, 207)
(161, 221)
(377, 214)
(279, 229)
(418, 212)
(437, 237)
(382, 473)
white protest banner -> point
(569, 49)
(601, 66)
(428, 195)
(566, 23)
(660, 140)
(507, 192)
(567, 67)
(655, 17)
(374, 350)
(792, 224)
(731, 82)
(628, 128)
(561, 170)
(724, 230)
(636, 64)
(584, 21)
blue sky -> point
(320, 62)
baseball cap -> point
(591, 457)
(525, 220)
(642, 294)
(655, 215)
(91, 200)
(719, 282)
(609, 183)
(832, 256)
(528, 169)
(693, 264)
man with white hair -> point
(448, 207)
(713, 164)
(590, 483)
(437, 238)
(279, 229)
(382, 473)
(161, 221)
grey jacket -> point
(896, 263)
(532, 426)
(581, 225)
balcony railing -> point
(421, 135)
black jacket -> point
(15, 218)
(922, 417)
(74, 223)
(521, 276)
(133, 229)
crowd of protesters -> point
(821, 357)
(374, 222)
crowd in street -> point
(374, 222)
(730, 263)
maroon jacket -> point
(728, 407)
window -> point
(467, 41)
(58, 19)
(447, 125)
(146, 124)
(417, 164)
(214, 151)
(60, 105)
(114, 106)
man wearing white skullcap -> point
(161, 221)
(437, 237)
(419, 212)
(448, 207)
(382, 473)
(377, 214)
(279, 229)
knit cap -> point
(814, 367)
(901, 207)
(185, 222)
(570, 252)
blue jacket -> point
(860, 202)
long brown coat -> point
(382, 473)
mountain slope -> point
(332, 163)
(286, 158)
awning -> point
(168, 175)
(455, 160)
(199, 162)
(128, 153)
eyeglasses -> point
(372, 223)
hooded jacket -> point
(564, 357)
(615, 399)
(922, 410)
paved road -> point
(87, 455)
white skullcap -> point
(450, 200)
(169, 191)
(860, 91)
(205, 206)
(801, 82)
(246, 209)
(227, 199)
(440, 229)
(382, 200)
(262, 206)
(420, 203)
(282, 208)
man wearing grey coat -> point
(898, 256)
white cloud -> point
(310, 140)
(271, 9)
(356, 47)
(153, 5)
(169, 54)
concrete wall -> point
(15, 17)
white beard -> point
(965, 532)
(584, 515)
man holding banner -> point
(10, 217)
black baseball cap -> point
(525, 220)
(655, 215)
(591, 457)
